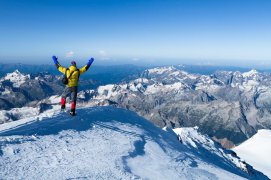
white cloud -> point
(135, 59)
(70, 54)
(103, 55)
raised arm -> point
(59, 67)
(86, 67)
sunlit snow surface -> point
(102, 143)
(257, 151)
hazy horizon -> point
(145, 63)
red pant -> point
(69, 91)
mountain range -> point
(229, 106)
(17, 89)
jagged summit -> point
(107, 143)
(161, 70)
(17, 89)
(251, 73)
(17, 78)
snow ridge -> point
(101, 143)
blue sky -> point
(219, 32)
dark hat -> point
(73, 63)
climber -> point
(70, 79)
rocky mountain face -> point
(229, 106)
(29, 83)
(17, 89)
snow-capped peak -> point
(17, 78)
(251, 73)
(168, 74)
(161, 70)
(14, 73)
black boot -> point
(63, 108)
(72, 113)
(73, 104)
(63, 104)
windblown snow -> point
(104, 143)
(257, 151)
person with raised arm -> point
(71, 79)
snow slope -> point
(102, 143)
(257, 151)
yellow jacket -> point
(74, 78)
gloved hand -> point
(55, 60)
(90, 61)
